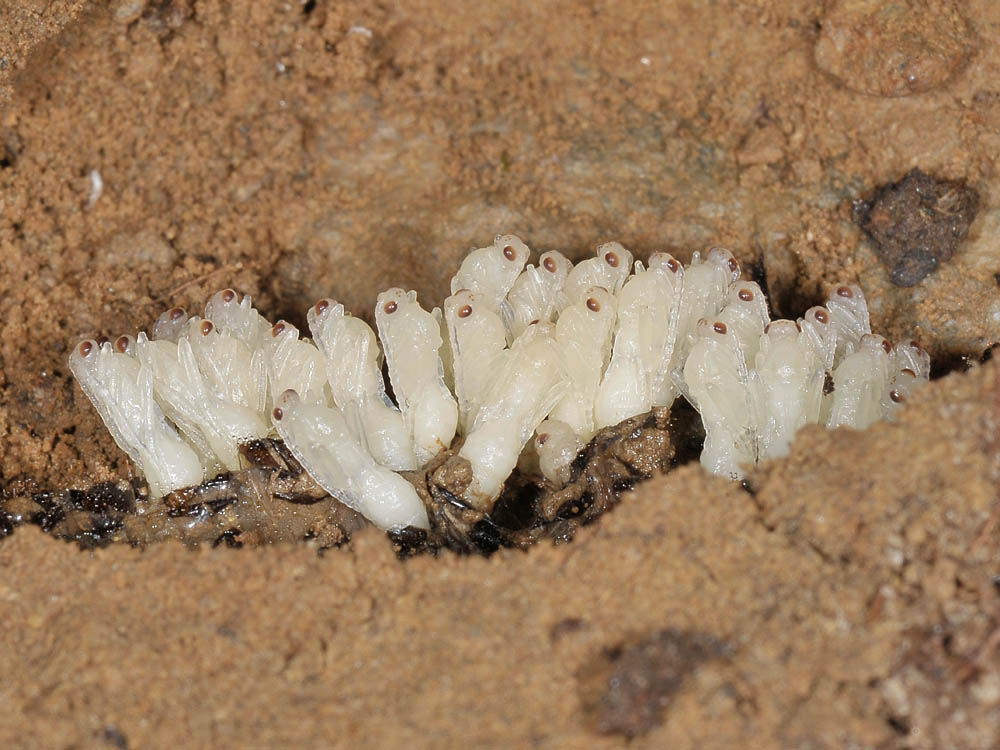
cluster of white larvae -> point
(554, 352)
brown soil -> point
(846, 596)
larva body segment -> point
(746, 315)
(718, 385)
(860, 383)
(238, 318)
(214, 425)
(536, 293)
(295, 364)
(351, 353)
(786, 387)
(608, 269)
(706, 286)
(319, 437)
(490, 272)
(236, 374)
(583, 333)
(557, 445)
(820, 335)
(122, 392)
(531, 382)
(849, 316)
(478, 350)
(411, 341)
(171, 324)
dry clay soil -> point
(848, 596)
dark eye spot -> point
(176, 314)
(121, 344)
(321, 306)
(844, 291)
(86, 348)
(896, 396)
(277, 414)
(797, 326)
(390, 307)
(228, 296)
(465, 311)
(508, 253)
(535, 322)
(887, 346)
(821, 316)
(767, 328)
(673, 265)
(916, 345)
(593, 304)
(719, 327)
(745, 294)
(543, 438)
(908, 371)
(733, 265)
(206, 327)
(612, 260)
(278, 328)
(549, 265)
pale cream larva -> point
(320, 439)
(717, 381)
(531, 382)
(490, 272)
(786, 386)
(216, 427)
(411, 341)
(238, 318)
(664, 391)
(535, 293)
(583, 333)
(557, 445)
(171, 324)
(860, 383)
(849, 316)
(746, 315)
(294, 363)
(909, 368)
(236, 374)
(478, 350)
(608, 269)
(643, 337)
(121, 390)
(351, 353)
(706, 286)
(820, 335)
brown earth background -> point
(849, 597)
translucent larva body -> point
(706, 286)
(859, 384)
(557, 444)
(490, 272)
(478, 350)
(122, 392)
(608, 269)
(746, 315)
(294, 364)
(411, 340)
(350, 350)
(535, 294)
(326, 447)
(583, 333)
(531, 382)
(786, 386)
(849, 316)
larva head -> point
(616, 257)
(747, 297)
(725, 260)
(124, 345)
(285, 404)
(84, 352)
(554, 264)
(392, 301)
(461, 307)
(321, 314)
(666, 262)
(817, 315)
(222, 305)
(874, 343)
(910, 357)
(170, 324)
(283, 329)
(512, 250)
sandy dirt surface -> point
(153, 152)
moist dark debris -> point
(627, 689)
(273, 499)
(917, 223)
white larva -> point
(320, 439)
(478, 350)
(411, 340)
(557, 445)
(579, 347)
(353, 368)
(583, 333)
(121, 390)
(530, 383)
(536, 293)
